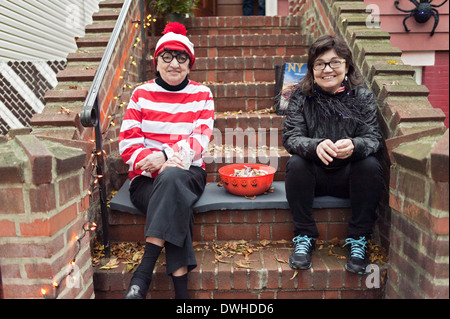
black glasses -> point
(334, 64)
(168, 57)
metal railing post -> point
(101, 182)
(90, 117)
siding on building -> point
(36, 37)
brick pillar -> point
(419, 250)
(44, 199)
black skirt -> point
(167, 201)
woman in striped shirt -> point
(166, 129)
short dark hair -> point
(319, 47)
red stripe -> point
(171, 97)
(169, 139)
(132, 114)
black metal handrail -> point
(90, 115)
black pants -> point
(167, 201)
(361, 181)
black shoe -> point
(301, 257)
(358, 260)
(134, 292)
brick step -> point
(107, 15)
(105, 27)
(268, 276)
(248, 129)
(244, 25)
(223, 225)
(242, 96)
(111, 4)
(94, 40)
(239, 69)
(248, 45)
(62, 95)
(86, 56)
(74, 74)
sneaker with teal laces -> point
(303, 248)
(358, 260)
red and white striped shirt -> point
(157, 119)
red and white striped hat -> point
(175, 39)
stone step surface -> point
(265, 274)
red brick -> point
(48, 227)
(12, 201)
(69, 189)
(440, 159)
(42, 198)
(40, 158)
(7, 228)
(440, 226)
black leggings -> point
(167, 201)
(361, 181)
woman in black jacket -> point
(332, 132)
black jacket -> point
(353, 115)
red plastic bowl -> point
(246, 186)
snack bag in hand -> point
(187, 153)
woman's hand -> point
(152, 163)
(175, 161)
(327, 150)
(345, 148)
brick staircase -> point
(236, 58)
(74, 81)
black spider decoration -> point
(422, 13)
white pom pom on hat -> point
(175, 39)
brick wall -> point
(436, 79)
(44, 190)
(415, 219)
(44, 205)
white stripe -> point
(22, 88)
(8, 117)
(152, 144)
(207, 122)
(167, 128)
(130, 124)
(125, 144)
(47, 72)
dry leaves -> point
(227, 250)
(375, 252)
(129, 253)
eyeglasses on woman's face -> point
(167, 57)
(334, 64)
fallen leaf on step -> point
(294, 275)
(241, 264)
(264, 242)
(283, 261)
(111, 264)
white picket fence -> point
(33, 30)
